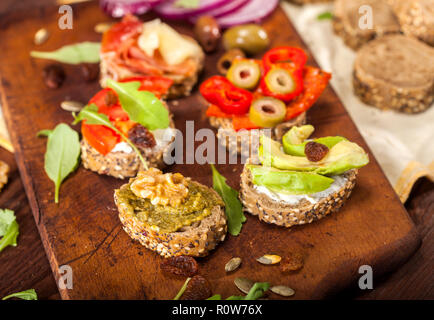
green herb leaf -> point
(233, 207)
(325, 16)
(44, 133)
(8, 229)
(92, 116)
(255, 292)
(215, 297)
(142, 106)
(182, 290)
(189, 4)
(61, 157)
(25, 295)
(83, 52)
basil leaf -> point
(257, 290)
(61, 157)
(182, 290)
(325, 16)
(25, 295)
(92, 116)
(188, 4)
(82, 52)
(215, 297)
(8, 229)
(142, 106)
(233, 207)
(44, 133)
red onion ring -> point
(168, 10)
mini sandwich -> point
(171, 214)
(125, 147)
(273, 93)
(132, 48)
(302, 180)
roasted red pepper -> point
(290, 57)
(282, 83)
(315, 81)
(130, 26)
(156, 84)
(230, 99)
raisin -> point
(315, 151)
(90, 71)
(54, 75)
(110, 98)
(180, 265)
(292, 262)
(198, 288)
(141, 136)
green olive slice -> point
(267, 112)
(279, 81)
(244, 74)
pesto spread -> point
(167, 218)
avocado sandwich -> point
(170, 214)
(300, 180)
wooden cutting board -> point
(84, 232)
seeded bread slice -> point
(416, 18)
(346, 19)
(233, 140)
(287, 215)
(195, 240)
(395, 72)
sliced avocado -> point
(298, 149)
(343, 156)
(289, 182)
(297, 135)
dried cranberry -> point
(315, 151)
(198, 288)
(90, 71)
(141, 137)
(54, 75)
(180, 265)
(292, 262)
(110, 98)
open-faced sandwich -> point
(132, 48)
(302, 180)
(126, 127)
(272, 93)
(171, 214)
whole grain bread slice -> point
(346, 18)
(246, 142)
(395, 72)
(287, 215)
(195, 240)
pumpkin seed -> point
(41, 36)
(269, 259)
(72, 106)
(102, 27)
(233, 264)
(244, 284)
(283, 291)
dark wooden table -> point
(26, 265)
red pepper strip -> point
(279, 56)
(230, 99)
(243, 122)
(156, 84)
(267, 86)
(103, 139)
(315, 81)
(214, 111)
(113, 111)
(130, 26)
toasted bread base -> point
(232, 140)
(282, 214)
(196, 240)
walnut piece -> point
(161, 188)
(4, 170)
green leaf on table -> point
(92, 116)
(325, 16)
(233, 207)
(188, 4)
(82, 52)
(142, 106)
(182, 290)
(255, 292)
(44, 133)
(25, 295)
(8, 229)
(61, 156)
